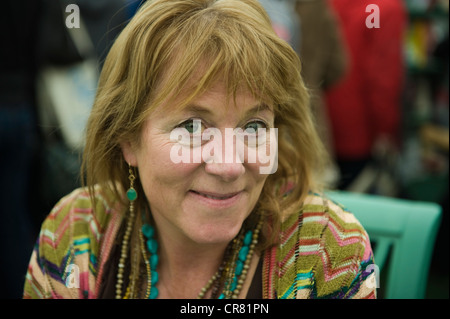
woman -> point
(180, 201)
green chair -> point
(406, 227)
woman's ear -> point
(129, 153)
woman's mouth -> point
(216, 199)
(216, 195)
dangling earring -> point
(131, 195)
(131, 192)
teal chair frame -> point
(405, 228)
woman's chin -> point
(214, 234)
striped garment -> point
(323, 251)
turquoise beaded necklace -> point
(152, 245)
(230, 276)
(238, 269)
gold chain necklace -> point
(230, 276)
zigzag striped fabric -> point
(323, 251)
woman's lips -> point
(216, 199)
(216, 195)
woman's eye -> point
(189, 133)
(193, 126)
(252, 127)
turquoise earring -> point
(131, 192)
(132, 195)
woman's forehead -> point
(212, 96)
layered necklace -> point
(226, 283)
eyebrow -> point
(198, 109)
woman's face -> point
(203, 190)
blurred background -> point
(379, 79)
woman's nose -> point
(228, 172)
(222, 158)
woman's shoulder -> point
(77, 232)
(330, 246)
(82, 218)
(340, 231)
(319, 210)
(79, 207)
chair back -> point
(403, 230)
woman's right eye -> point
(193, 126)
(189, 132)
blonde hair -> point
(165, 45)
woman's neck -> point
(186, 267)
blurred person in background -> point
(62, 50)
(33, 34)
(324, 62)
(310, 27)
(365, 106)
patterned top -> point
(323, 251)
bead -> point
(250, 253)
(239, 267)
(154, 261)
(132, 194)
(155, 277)
(148, 231)
(243, 253)
(152, 246)
(233, 284)
(248, 238)
(154, 293)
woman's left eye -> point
(253, 126)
